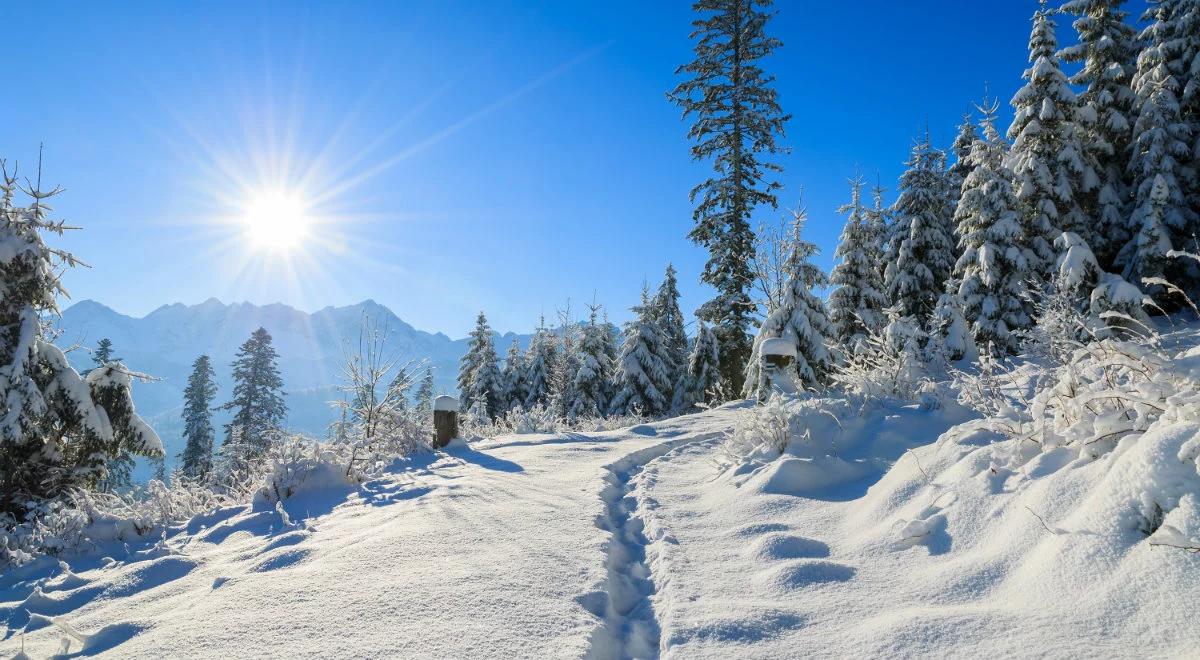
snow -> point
(842, 526)
(779, 346)
(445, 403)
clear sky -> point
(455, 155)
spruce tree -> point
(397, 390)
(57, 429)
(196, 459)
(118, 471)
(540, 361)
(514, 377)
(667, 314)
(642, 378)
(923, 252)
(857, 301)
(801, 318)
(1108, 48)
(479, 375)
(702, 383)
(1052, 173)
(993, 271)
(257, 403)
(877, 224)
(590, 386)
(1159, 166)
(737, 122)
(964, 141)
(424, 403)
(104, 352)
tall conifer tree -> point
(737, 121)
(257, 404)
(857, 301)
(1107, 47)
(196, 459)
(1052, 173)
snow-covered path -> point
(647, 541)
(498, 550)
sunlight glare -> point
(276, 220)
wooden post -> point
(445, 420)
(777, 356)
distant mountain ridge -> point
(164, 343)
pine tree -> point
(397, 390)
(702, 383)
(993, 271)
(667, 314)
(923, 251)
(540, 361)
(57, 429)
(595, 372)
(196, 459)
(964, 141)
(801, 318)
(737, 122)
(856, 304)
(513, 375)
(1159, 165)
(104, 352)
(1107, 48)
(479, 375)
(424, 407)
(1178, 21)
(876, 227)
(257, 403)
(1052, 173)
(642, 378)
(118, 471)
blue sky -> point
(460, 155)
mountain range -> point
(311, 348)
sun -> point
(276, 221)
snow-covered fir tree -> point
(669, 317)
(514, 377)
(103, 353)
(857, 301)
(479, 373)
(1178, 22)
(57, 429)
(964, 141)
(1107, 47)
(642, 380)
(878, 221)
(1159, 165)
(562, 374)
(118, 473)
(589, 389)
(424, 396)
(540, 361)
(922, 251)
(737, 122)
(702, 384)
(257, 404)
(992, 274)
(800, 318)
(196, 459)
(1052, 173)
(397, 390)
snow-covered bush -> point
(888, 364)
(82, 519)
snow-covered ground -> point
(904, 530)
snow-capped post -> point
(778, 356)
(445, 420)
